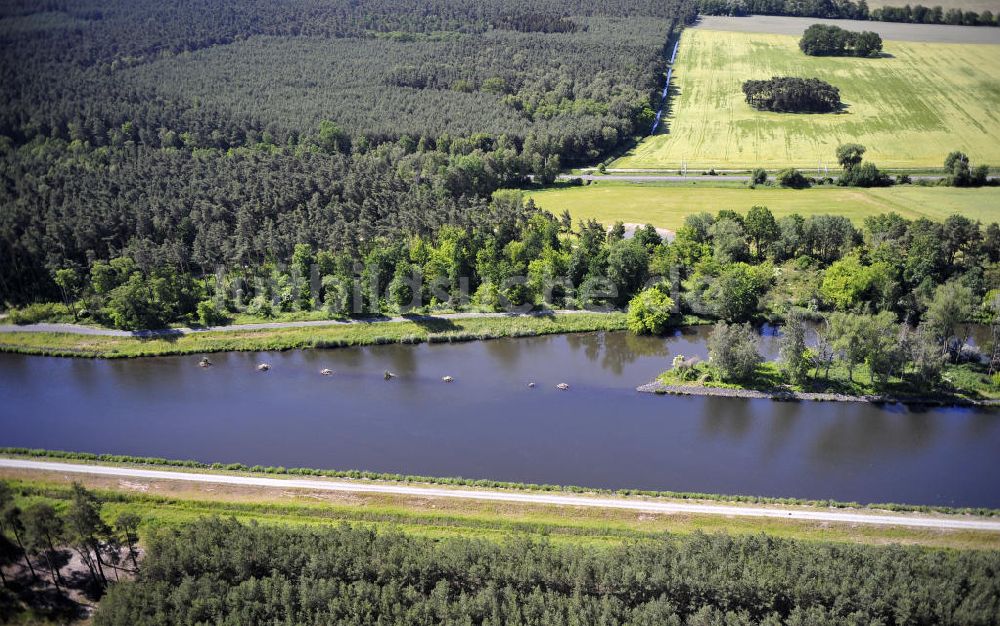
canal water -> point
(489, 423)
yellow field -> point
(909, 109)
(667, 206)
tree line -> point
(508, 254)
(742, 267)
(894, 355)
(856, 172)
(513, 255)
(850, 10)
(225, 572)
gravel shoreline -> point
(796, 396)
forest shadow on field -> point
(170, 335)
(673, 92)
(430, 323)
(840, 109)
(24, 602)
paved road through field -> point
(942, 522)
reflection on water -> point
(489, 423)
(731, 418)
(857, 438)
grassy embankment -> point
(189, 465)
(961, 382)
(910, 107)
(666, 205)
(439, 330)
(172, 503)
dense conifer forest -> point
(223, 572)
(305, 121)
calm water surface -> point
(489, 424)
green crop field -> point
(910, 108)
(666, 206)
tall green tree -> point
(87, 529)
(881, 347)
(11, 519)
(128, 525)
(68, 281)
(762, 229)
(793, 350)
(735, 294)
(729, 241)
(952, 305)
(732, 349)
(628, 267)
(926, 356)
(44, 530)
(849, 155)
(847, 338)
(649, 311)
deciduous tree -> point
(732, 349)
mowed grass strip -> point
(666, 206)
(441, 330)
(910, 109)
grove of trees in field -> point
(789, 94)
(824, 40)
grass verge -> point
(437, 330)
